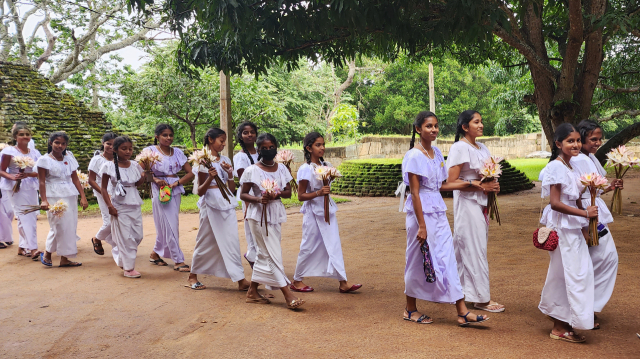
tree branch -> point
(620, 138)
(574, 43)
(631, 113)
(619, 89)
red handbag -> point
(545, 238)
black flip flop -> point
(97, 246)
(2, 245)
(158, 261)
(71, 264)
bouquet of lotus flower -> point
(327, 174)
(23, 162)
(621, 160)
(207, 159)
(57, 210)
(270, 187)
(146, 159)
(491, 170)
(593, 182)
(286, 158)
(84, 179)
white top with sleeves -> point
(589, 164)
(316, 205)
(241, 161)
(29, 183)
(129, 177)
(555, 172)
(472, 160)
(432, 173)
(168, 166)
(276, 212)
(213, 197)
(95, 165)
(58, 179)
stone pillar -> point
(432, 95)
(543, 142)
(226, 123)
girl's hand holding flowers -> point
(44, 205)
(325, 190)
(592, 212)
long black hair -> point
(107, 137)
(563, 131)
(159, 128)
(419, 121)
(53, 137)
(308, 141)
(17, 127)
(119, 141)
(463, 119)
(239, 130)
(212, 134)
(585, 127)
(265, 137)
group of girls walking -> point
(453, 268)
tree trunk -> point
(337, 95)
(620, 138)
(192, 129)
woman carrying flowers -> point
(59, 183)
(603, 256)
(470, 212)
(568, 293)
(19, 187)
(261, 184)
(431, 271)
(217, 250)
(320, 249)
(165, 215)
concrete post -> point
(543, 142)
(226, 123)
(432, 95)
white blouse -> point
(129, 176)
(316, 205)
(241, 161)
(555, 172)
(213, 197)
(276, 212)
(29, 183)
(58, 179)
(472, 160)
(95, 165)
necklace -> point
(55, 158)
(561, 159)
(161, 151)
(21, 151)
(427, 152)
(266, 165)
(467, 141)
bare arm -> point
(558, 206)
(304, 196)
(454, 175)
(286, 193)
(204, 180)
(414, 185)
(4, 164)
(246, 197)
(107, 199)
(42, 175)
(93, 183)
(188, 177)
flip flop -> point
(196, 286)
(36, 256)
(137, 275)
(261, 300)
(2, 245)
(565, 337)
(70, 264)
(158, 261)
(182, 271)
(296, 303)
(48, 264)
(97, 247)
(352, 289)
(479, 319)
(486, 308)
(303, 290)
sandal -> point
(352, 289)
(305, 289)
(180, 269)
(424, 319)
(2, 245)
(486, 307)
(596, 326)
(97, 247)
(70, 264)
(36, 256)
(48, 264)
(132, 274)
(567, 337)
(261, 300)
(159, 262)
(479, 319)
(296, 303)
(196, 286)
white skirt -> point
(27, 223)
(268, 268)
(320, 250)
(6, 217)
(568, 293)
(470, 237)
(605, 270)
(252, 250)
(217, 250)
(104, 233)
(62, 235)
(126, 231)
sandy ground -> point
(94, 312)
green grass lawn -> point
(530, 166)
(189, 204)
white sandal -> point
(486, 308)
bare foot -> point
(299, 284)
(243, 285)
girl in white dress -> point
(124, 176)
(268, 268)
(320, 249)
(27, 195)
(6, 218)
(166, 215)
(246, 134)
(98, 160)
(428, 234)
(470, 216)
(603, 256)
(568, 293)
(217, 250)
(59, 181)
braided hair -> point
(107, 137)
(53, 137)
(419, 121)
(119, 141)
(239, 130)
(158, 131)
(463, 119)
(308, 141)
(212, 134)
(265, 137)
(563, 131)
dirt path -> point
(94, 312)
